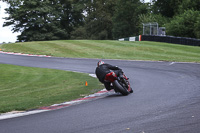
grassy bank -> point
(23, 88)
(109, 50)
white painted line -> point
(12, 53)
(93, 75)
(97, 95)
(7, 115)
(171, 63)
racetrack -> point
(166, 99)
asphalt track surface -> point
(166, 99)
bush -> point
(185, 25)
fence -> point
(153, 29)
(172, 39)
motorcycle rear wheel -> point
(120, 89)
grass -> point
(104, 49)
(24, 88)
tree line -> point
(39, 20)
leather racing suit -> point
(104, 69)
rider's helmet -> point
(100, 63)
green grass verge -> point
(24, 88)
(104, 49)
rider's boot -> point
(131, 91)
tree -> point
(42, 19)
(125, 19)
(103, 19)
(185, 25)
(197, 28)
(189, 4)
(98, 21)
(167, 8)
(150, 17)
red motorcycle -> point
(120, 83)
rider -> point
(103, 69)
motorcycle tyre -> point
(120, 89)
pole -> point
(143, 28)
(150, 28)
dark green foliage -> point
(185, 25)
(125, 19)
(167, 8)
(150, 17)
(39, 20)
(42, 19)
(180, 17)
(189, 4)
(98, 21)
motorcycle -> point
(120, 83)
